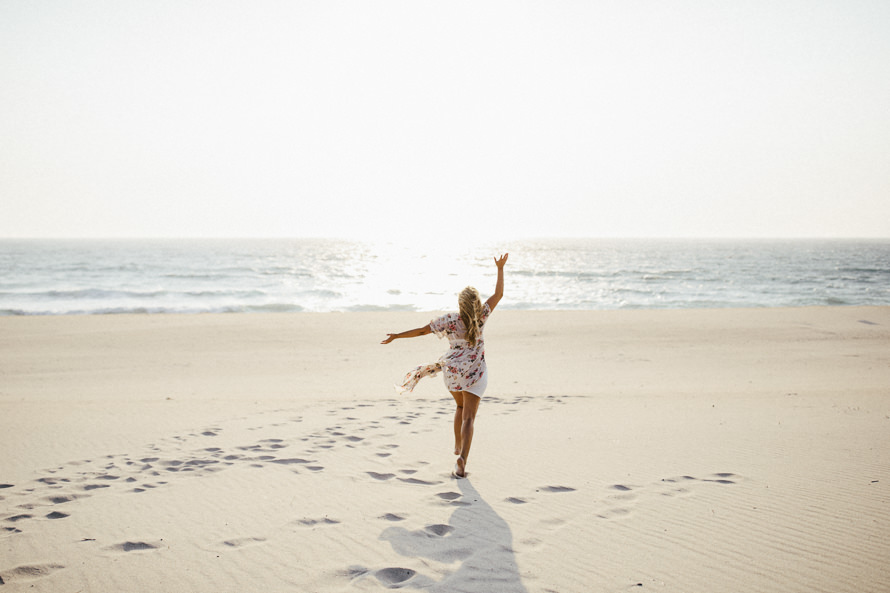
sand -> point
(705, 450)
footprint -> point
(57, 515)
(243, 541)
(439, 529)
(392, 517)
(377, 476)
(532, 543)
(676, 492)
(291, 460)
(621, 487)
(133, 546)
(61, 499)
(353, 572)
(557, 489)
(2, 486)
(448, 495)
(614, 513)
(28, 572)
(394, 576)
(18, 518)
(314, 522)
(201, 462)
(515, 500)
(418, 481)
(722, 478)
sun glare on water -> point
(425, 274)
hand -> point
(500, 261)
(389, 338)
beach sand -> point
(681, 451)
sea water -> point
(40, 277)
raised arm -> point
(494, 299)
(411, 333)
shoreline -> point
(401, 311)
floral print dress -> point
(463, 365)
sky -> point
(401, 120)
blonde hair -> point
(470, 307)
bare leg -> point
(458, 421)
(458, 418)
(471, 404)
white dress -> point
(463, 365)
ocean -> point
(72, 277)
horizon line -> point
(410, 239)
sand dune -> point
(675, 451)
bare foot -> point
(460, 468)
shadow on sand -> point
(475, 536)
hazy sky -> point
(374, 118)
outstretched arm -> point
(411, 333)
(494, 299)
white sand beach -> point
(674, 450)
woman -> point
(466, 374)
